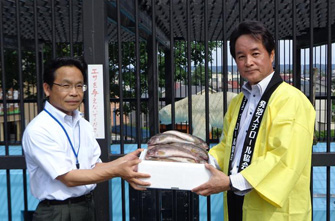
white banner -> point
(96, 99)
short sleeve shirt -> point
(49, 154)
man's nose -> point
(248, 61)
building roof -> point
(234, 12)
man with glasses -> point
(62, 154)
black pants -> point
(80, 211)
(235, 204)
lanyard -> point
(68, 138)
(250, 140)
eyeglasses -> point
(69, 87)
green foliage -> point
(28, 66)
(11, 69)
(129, 68)
(322, 135)
(197, 56)
(333, 101)
(199, 75)
(216, 133)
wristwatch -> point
(233, 189)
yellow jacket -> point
(281, 164)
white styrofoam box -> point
(173, 175)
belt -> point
(86, 197)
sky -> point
(286, 48)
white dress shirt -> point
(253, 93)
(49, 154)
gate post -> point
(95, 40)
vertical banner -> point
(96, 99)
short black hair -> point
(255, 29)
(49, 71)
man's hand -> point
(219, 182)
(127, 170)
(124, 167)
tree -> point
(129, 64)
(199, 75)
(333, 102)
(28, 67)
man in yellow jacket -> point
(265, 153)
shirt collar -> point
(260, 86)
(61, 116)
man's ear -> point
(272, 56)
(46, 88)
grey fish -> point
(165, 139)
(174, 159)
(171, 137)
(167, 150)
(194, 149)
(188, 137)
(186, 147)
